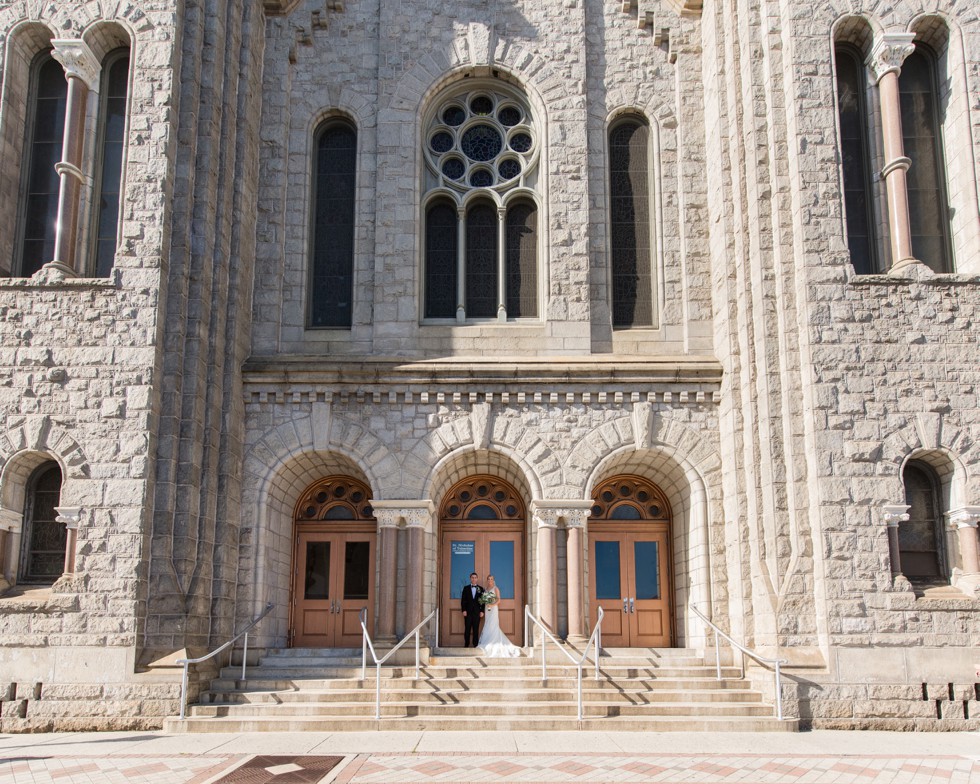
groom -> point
(472, 611)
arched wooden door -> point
(481, 523)
(630, 563)
(335, 537)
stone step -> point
(308, 697)
(483, 724)
(477, 671)
(274, 684)
(487, 710)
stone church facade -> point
(642, 306)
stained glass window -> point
(45, 537)
(481, 261)
(334, 187)
(441, 244)
(920, 537)
(115, 90)
(630, 245)
(522, 260)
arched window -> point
(928, 200)
(45, 539)
(630, 234)
(920, 538)
(856, 159)
(481, 141)
(112, 143)
(42, 150)
(334, 191)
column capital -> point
(893, 514)
(889, 52)
(11, 521)
(71, 516)
(78, 61)
(964, 517)
(416, 514)
(547, 514)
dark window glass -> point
(333, 226)
(522, 260)
(44, 560)
(920, 537)
(607, 570)
(928, 205)
(482, 512)
(481, 261)
(441, 249)
(856, 160)
(502, 567)
(43, 149)
(357, 570)
(629, 227)
(317, 578)
(625, 512)
(115, 88)
(646, 561)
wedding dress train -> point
(493, 641)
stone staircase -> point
(295, 690)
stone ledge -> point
(72, 284)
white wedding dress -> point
(493, 641)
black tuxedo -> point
(470, 605)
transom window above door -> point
(480, 207)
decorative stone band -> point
(71, 516)
(964, 517)
(889, 52)
(903, 163)
(282, 396)
(416, 514)
(63, 167)
(547, 514)
(78, 61)
(893, 514)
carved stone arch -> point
(103, 36)
(858, 30)
(501, 463)
(947, 447)
(42, 435)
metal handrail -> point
(188, 662)
(594, 639)
(775, 663)
(367, 644)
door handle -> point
(632, 607)
(626, 605)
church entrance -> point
(482, 530)
(629, 556)
(333, 564)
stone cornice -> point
(546, 514)
(416, 514)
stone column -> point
(82, 71)
(545, 519)
(11, 523)
(885, 62)
(576, 519)
(70, 516)
(894, 514)
(387, 572)
(417, 518)
(965, 520)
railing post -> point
(417, 631)
(544, 656)
(377, 693)
(714, 634)
(244, 655)
(779, 695)
(580, 691)
(527, 640)
(183, 692)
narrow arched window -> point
(920, 538)
(481, 261)
(441, 251)
(112, 142)
(43, 149)
(630, 235)
(522, 260)
(334, 190)
(45, 538)
(856, 159)
(928, 200)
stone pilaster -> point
(11, 524)
(576, 521)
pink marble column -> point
(894, 514)
(387, 573)
(965, 521)
(576, 522)
(546, 522)
(70, 516)
(11, 523)
(885, 61)
(82, 71)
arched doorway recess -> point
(630, 558)
(481, 522)
(335, 537)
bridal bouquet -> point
(487, 597)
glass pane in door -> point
(502, 567)
(357, 570)
(317, 578)
(607, 570)
(462, 563)
(647, 564)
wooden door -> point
(629, 561)
(334, 581)
(482, 530)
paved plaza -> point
(819, 757)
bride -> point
(493, 641)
